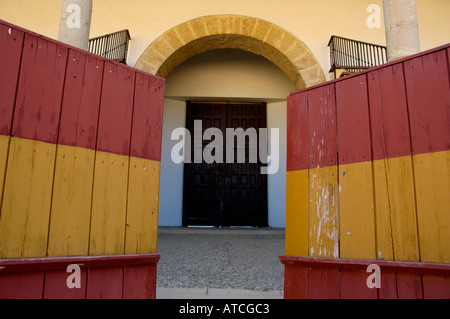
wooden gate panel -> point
(22, 285)
(427, 84)
(10, 57)
(65, 140)
(146, 132)
(40, 90)
(357, 229)
(74, 170)
(27, 198)
(109, 199)
(297, 176)
(393, 135)
(81, 100)
(323, 174)
(392, 166)
(55, 286)
(105, 283)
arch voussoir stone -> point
(251, 34)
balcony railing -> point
(112, 46)
(353, 56)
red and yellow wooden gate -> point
(369, 179)
(80, 151)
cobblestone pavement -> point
(224, 258)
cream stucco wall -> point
(311, 21)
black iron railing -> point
(353, 56)
(112, 46)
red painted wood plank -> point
(105, 283)
(354, 285)
(323, 283)
(81, 101)
(297, 132)
(388, 113)
(60, 263)
(139, 282)
(409, 286)
(427, 84)
(448, 59)
(362, 264)
(388, 289)
(55, 286)
(40, 90)
(436, 287)
(116, 109)
(322, 127)
(296, 282)
(26, 285)
(353, 120)
(10, 57)
(146, 133)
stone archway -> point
(258, 36)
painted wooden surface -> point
(323, 176)
(10, 56)
(81, 106)
(147, 119)
(297, 132)
(357, 229)
(392, 166)
(396, 222)
(109, 204)
(116, 109)
(101, 277)
(297, 179)
(69, 120)
(4, 149)
(432, 182)
(71, 202)
(142, 206)
(27, 198)
(325, 278)
(55, 285)
(296, 235)
(392, 132)
(74, 170)
(22, 285)
(138, 282)
(40, 89)
(427, 84)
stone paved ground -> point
(221, 258)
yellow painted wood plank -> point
(4, 148)
(71, 204)
(25, 214)
(395, 209)
(432, 182)
(296, 236)
(109, 204)
(323, 213)
(356, 211)
(143, 203)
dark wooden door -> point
(225, 194)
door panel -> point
(222, 194)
